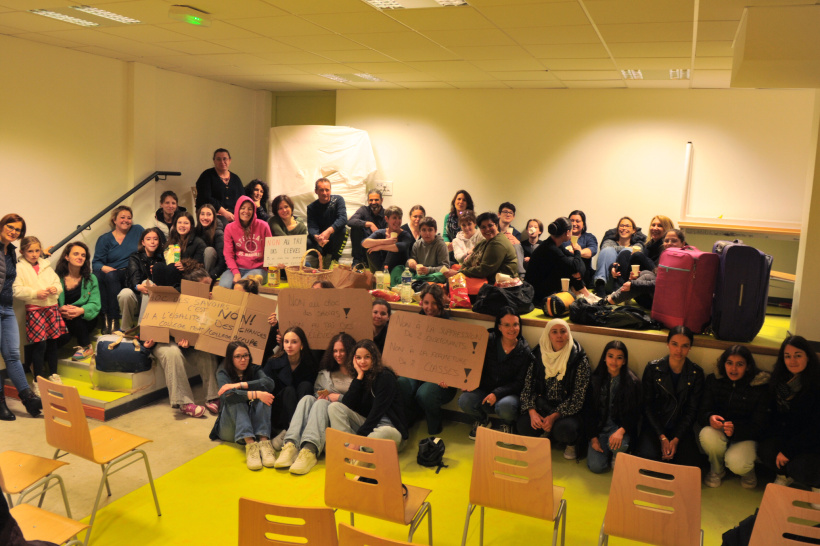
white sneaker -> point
(714, 479)
(749, 480)
(252, 455)
(35, 388)
(569, 453)
(287, 457)
(266, 452)
(304, 462)
(55, 379)
(782, 479)
(278, 440)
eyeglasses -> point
(505, 211)
(13, 229)
(625, 226)
(241, 357)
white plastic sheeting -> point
(300, 154)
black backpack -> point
(491, 298)
(431, 453)
(612, 316)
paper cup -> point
(565, 285)
(574, 239)
(636, 268)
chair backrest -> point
(350, 536)
(343, 489)
(512, 473)
(66, 425)
(786, 517)
(263, 523)
(654, 502)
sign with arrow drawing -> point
(324, 313)
(435, 350)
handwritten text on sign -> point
(287, 250)
(436, 350)
(324, 313)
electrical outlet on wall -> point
(385, 186)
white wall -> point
(78, 130)
(608, 152)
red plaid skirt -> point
(44, 323)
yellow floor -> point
(199, 501)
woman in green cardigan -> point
(80, 298)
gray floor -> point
(176, 440)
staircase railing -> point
(157, 175)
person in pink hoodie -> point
(244, 244)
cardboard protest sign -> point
(253, 327)
(436, 350)
(162, 303)
(287, 250)
(324, 313)
(208, 324)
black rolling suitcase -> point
(741, 291)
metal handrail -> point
(157, 175)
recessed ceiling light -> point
(64, 18)
(335, 78)
(632, 74)
(414, 4)
(678, 73)
(107, 15)
(368, 77)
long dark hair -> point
(228, 366)
(781, 374)
(207, 234)
(62, 265)
(252, 186)
(467, 197)
(328, 362)
(743, 352)
(376, 366)
(174, 238)
(307, 355)
(155, 231)
(583, 218)
(628, 396)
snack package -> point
(459, 298)
(172, 254)
(386, 295)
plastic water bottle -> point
(386, 279)
(406, 288)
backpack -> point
(612, 316)
(431, 453)
(491, 298)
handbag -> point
(491, 299)
(344, 276)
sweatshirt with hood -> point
(243, 251)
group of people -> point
(284, 403)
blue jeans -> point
(599, 462)
(226, 280)
(10, 348)
(309, 422)
(506, 408)
(606, 258)
(240, 420)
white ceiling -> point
(284, 45)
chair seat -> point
(109, 443)
(20, 470)
(415, 497)
(39, 524)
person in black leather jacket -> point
(505, 365)
(672, 391)
(139, 270)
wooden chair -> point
(386, 499)
(653, 502)
(290, 525)
(39, 524)
(514, 473)
(781, 520)
(29, 476)
(67, 430)
(350, 536)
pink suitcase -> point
(684, 288)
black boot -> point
(106, 325)
(32, 402)
(5, 414)
(600, 289)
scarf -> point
(555, 362)
(452, 226)
(785, 392)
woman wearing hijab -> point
(555, 389)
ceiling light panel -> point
(64, 18)
(97, 12)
